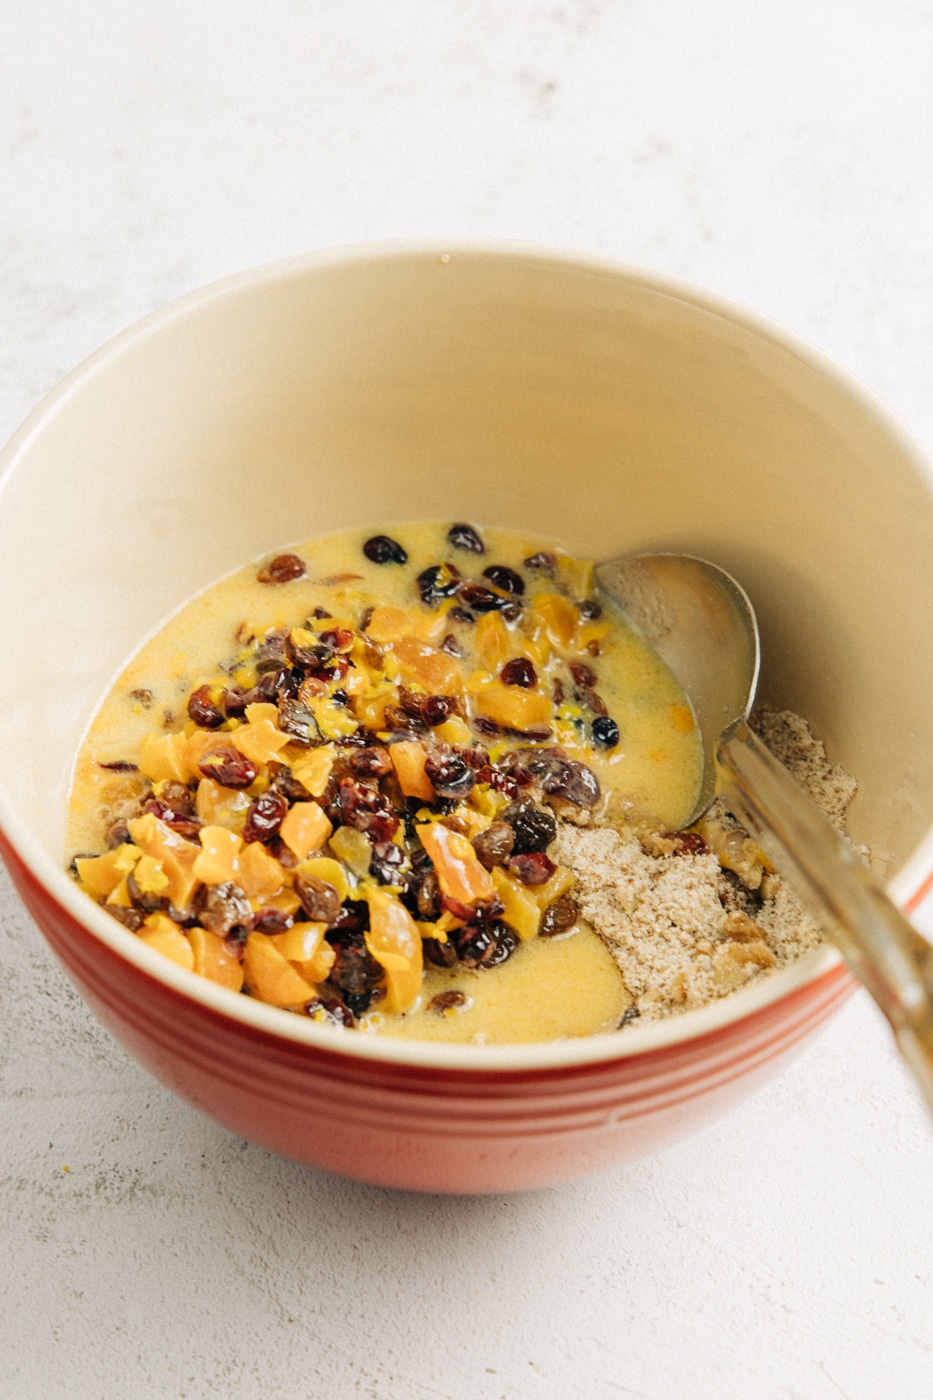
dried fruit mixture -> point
(372, 807)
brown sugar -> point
(687, 920)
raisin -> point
(264, 816)
(340, 639)
(543, 562)
(284, 782)
(117, 834)
(439, 954)
(355, 970)
(298, 722)
(142, 697)
(482, 599)
(142, 900)
(559, 917)
(533, 828)
(590, 609)
(450, 775)
(228, 767)
(582, 674)
(449, 644)
(437, 582)
(319, 900)
(533, 868)
(558, 692)
(605, 732)
(494, 845)
(486, 726)
(370, 762)
(587, 696)
(429, 897)
(460, 615)
(573, 782)
(271, 654)
(126, 915)
(224, 907)
(366, 809)
(438, 708)
(484, 945)
(396, 719)
(350, 923)
(382, 549)
(446, 1001)
(234, 703)
(282, 569)
(505, 578)
(630, 1014)
(332, 1012)
(519, 671)
(386, 863)
(120, 765)
(307, 656)
(272, 921)
(358, 1002)
(320, 613)
(202, 709)
(466, 537)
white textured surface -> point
(779, 155)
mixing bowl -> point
(609, 407)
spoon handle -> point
(891, 958)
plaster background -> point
(779, 156)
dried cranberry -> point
(282, 569)
(222, 907)
(582, 674)
(228, 767)
(382, 549)
(447, 1001)
(264, 817)
(298, 722)
(272, 921)
(184, 823)
(482, 599)
(533, 868)
(450, 775)
(319, 899)
(543, 562)
(429, 897)
(439, 954)
(437, 582)
(519, 671)
(494, 845)
(559, 916)
(505, 578)
(533, 828)
(605, 732)
(484, 945)
(466, 537)
(690, 843)
(373, 761)
(386, 864)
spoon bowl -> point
(702, 624)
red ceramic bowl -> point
(610, 408)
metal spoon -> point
(702, 624)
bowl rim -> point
(908, 886)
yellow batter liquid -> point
(549, 988)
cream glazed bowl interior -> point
(608, 407)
